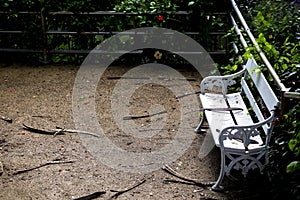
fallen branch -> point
(143, 116)
(119, 192)
(91, 196)
(53, 162)
(169, 170)
(6, 119)
(57, 131)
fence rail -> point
(218, 44)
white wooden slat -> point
(253, 103)
(261, 84)
(242, 117)
(217, 120)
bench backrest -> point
(263, 88)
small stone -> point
(195, 191)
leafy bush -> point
(143, 13)
(276, 25)
(284, 166)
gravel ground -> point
(41, 96)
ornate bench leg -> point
(198, 128)
(217, 186)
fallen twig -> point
(161, 78)
(178, 181)
(91, 196)
(184, 95)
(36, 130)
(6, 119)
(53, 162)
(119, 192)
(143, 116)
(57, 131)
(177, 79)
(169, 170)
(41, 116)
(190, 182)
(1, 168)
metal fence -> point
(52, 39)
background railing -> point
(57, 37)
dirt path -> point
(41, 96)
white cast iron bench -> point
(241, 123)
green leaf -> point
(191, 3)
(234, 67)
(293, 166)
(292, 144)
(152, 3)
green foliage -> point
(204, 18)
(293, 167)
(141, 13)
(266, 47)
(276, 25)
(285, 155)
(278, 20)
(292, 118)
(144, 6)
(145, 13)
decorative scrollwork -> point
(242, 135)
(242, 157)
(219, 83)
(245, 163)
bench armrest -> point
(244, 134)
(219, 83)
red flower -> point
(160, 18)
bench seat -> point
(220, 119)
